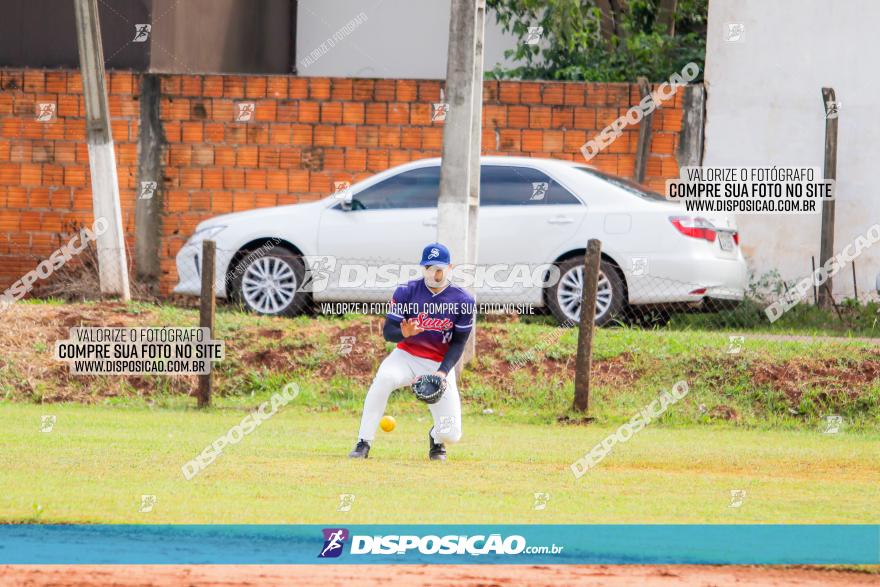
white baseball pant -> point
(399, 369)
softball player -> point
(430, 319)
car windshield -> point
(625, 184)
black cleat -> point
(436, 450)
(361, 451)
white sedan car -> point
(536, 213)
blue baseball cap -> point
(435, 254)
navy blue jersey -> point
(441, 314)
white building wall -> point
(398, 39)
(764, 107)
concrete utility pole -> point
(112, 265)
(476, 133)
(476, 149)
(148, 206)
(459, 200)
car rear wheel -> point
(270, 283)
(564, 297)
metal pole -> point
(112, 264)
(584, 358)
(815, 289)
(855, 285)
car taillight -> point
(694, 227)
(736, 238)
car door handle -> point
(561, 220)
(430, 222)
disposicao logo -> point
(334, 539)
(451, 544)
(478, 545)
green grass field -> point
(752, 421)
(97, 462)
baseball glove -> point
(429, 388)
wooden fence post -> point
(585, 332)
(643, 148)
(826, 244)
(206, 314)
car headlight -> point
(204, 234)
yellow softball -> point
(387, 423)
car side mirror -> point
(346, 200)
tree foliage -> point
(602, 40)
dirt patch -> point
(724, 413)
(271, 333)
(353, 350)
(459, 575)
(273, 359)
(105, 315)
(358, 349)
(795, 376)
(27, 354)
(499, 318)
(617, 372)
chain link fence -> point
(273, 279)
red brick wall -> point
(44, 166)
(306, 134)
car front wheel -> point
(564, 297)
(270, 283)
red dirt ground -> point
(470, 575)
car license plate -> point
(725, 239)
